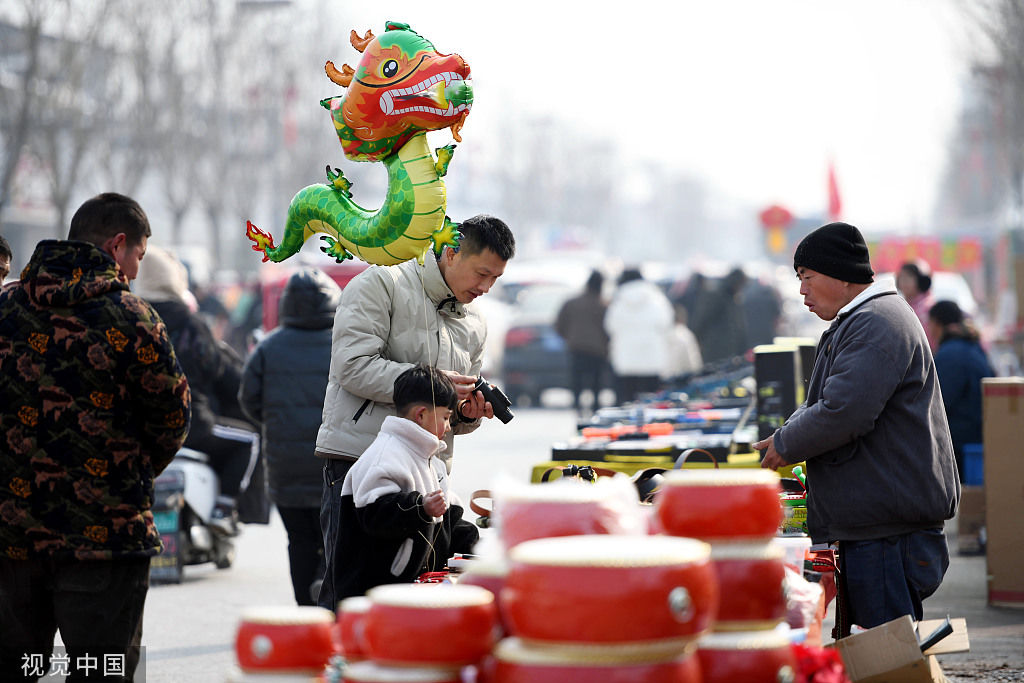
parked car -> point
(535, 357)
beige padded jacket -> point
(390, 318)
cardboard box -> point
(1003, 429)
(891, 653)
(970, 520)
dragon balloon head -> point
(402, 86)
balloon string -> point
(426, 330)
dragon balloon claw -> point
(401, 89)
(447, 235)
(335, 249)
(338, 181)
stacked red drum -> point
(736, 511)
(605, 607)
(488, 572)
(291, 643)
(418, 632)
(748, 656)
(561, 508)
(351, 622)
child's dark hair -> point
(423, 384)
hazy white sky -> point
(752, 96)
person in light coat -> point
(390, 319)
(639, 322)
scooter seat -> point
(192, 454)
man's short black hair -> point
(423, 385)
(5, 248)
(486, 232)
(106, 215)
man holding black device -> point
(391, 318)
(881, 478)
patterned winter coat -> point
(93, 405)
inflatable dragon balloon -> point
(401, 89)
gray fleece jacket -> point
(873, 429)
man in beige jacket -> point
(391, 318)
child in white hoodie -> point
(398, 517)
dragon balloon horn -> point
(401, 89)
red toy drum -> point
(751, 657)
(518, 662)
(750, 585)
(610, 589)
(720, 504)
(429, 624)
(489, 573)
(274, 638)
(560, 508)
(370, 672)
(351, 621)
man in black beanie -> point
(881, 478)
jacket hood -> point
(64, 273)
(309, 300)
(417, 439)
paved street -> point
(190, 628)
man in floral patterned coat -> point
(93, 405)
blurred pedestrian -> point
(684, 349)
(914, 280)
(94, 407)
(639, 323)
(762, 310)
(282, 390)
(881, 477)
(719, 320)
(580, 322)
(219, 429)
(6, 255)
(961, 363)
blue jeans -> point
(889, 577)
(330, 514)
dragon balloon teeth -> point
(437, 88)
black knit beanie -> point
(837, 250)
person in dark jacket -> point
(719, 319)
(881, 477)
(282, 390)
(961, 364)
(580, 322)
(399, 518)
(219, 429)
(94, 406)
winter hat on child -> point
(837, 250)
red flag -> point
(835, 204)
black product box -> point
(778, 377)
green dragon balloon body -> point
(401, 89)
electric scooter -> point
(185, 510)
